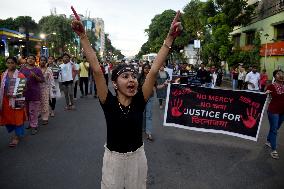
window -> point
(280, 32)
(236, 40)
(250, 35)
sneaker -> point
(149, 137)
(34, 131)
(274, 154)
(268, 144)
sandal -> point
(14, 142)
(274, 154)
(44, 122)
(66, 108)
(52, 114)
(72, 107)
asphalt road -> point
(68, 154)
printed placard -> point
(236, 113)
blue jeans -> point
(234, 84)
(275, 121)
(148, 115)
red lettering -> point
(179, 92)
(245, 99)
(205, 104)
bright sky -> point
(125, 20)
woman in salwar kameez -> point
(12, 115)
(45, 87)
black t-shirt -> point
(202, 75)
(184, 74)
(124, 127)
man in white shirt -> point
(66, 78)
(252, 79)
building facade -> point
(95, 25)
(268, 21)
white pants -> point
(124, 170)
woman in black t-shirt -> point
(125, 163)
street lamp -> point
(44, 37)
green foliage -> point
(9, 24)
(227, 15)
(111, 51)
(158, 29)
(21, 21)
(248, 58)
(64, 34)
(27, 23)
(2, 64)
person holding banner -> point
(275, 111)
(10, 116)
(163, 80)
(32, 93)
(124, 162)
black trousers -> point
(52, 103)
(75, 89)
(106, 77)
(85, 81)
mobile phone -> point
(75, 13)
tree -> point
(111, 51)
(227, 15)
(24, 22)
(64, 34)
(249, 58)
(8, 23)
(157, 32)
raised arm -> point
(102, 89)
(150, 80)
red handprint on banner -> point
(176, 108)
(252, 117)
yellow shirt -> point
(83, 71)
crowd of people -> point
(127, 112)
(45, 83)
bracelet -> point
(167, 46)
(83, 36)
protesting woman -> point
(54, 93)
(125, 163)
(147, 118)
(12, 116)
(46, 87)
(162, 84)
(32, 93)
(275, 110)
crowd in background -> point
(50, 78)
